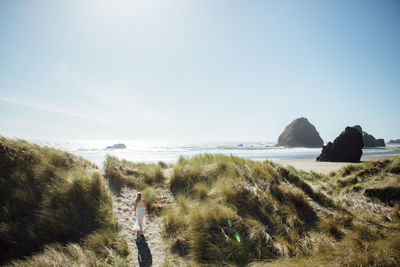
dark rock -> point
(396, 141)
(369, 140)
(347, 147)
(300, 133)
(358, 127)
(380, 142)
(116, 146)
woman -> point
(140, 211)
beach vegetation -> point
(137, 175)
(225, 210)
(396, 212)
(273, 207)
(331, 227)
(201, 190)
(394, 166)
(233, 209)
(51, 199)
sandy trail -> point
(124, 210)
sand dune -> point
(123, 208)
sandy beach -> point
(321, 167)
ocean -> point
(169, 152)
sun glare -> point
(124, 6)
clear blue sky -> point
(197, 70)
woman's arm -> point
(135, 207)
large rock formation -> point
(347, 147)
(369, 140)
(395, 141)
(300, 133)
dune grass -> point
(49, 196)
(350, 252)
(223, 199)
(370, 168)
(106, 248)
(331, 227)
(376, 180)
(138, 175)
(229, 211)
(394, 166)
(233, 211)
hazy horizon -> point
(197, 70)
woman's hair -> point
(138, 197)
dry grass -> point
(49, 196)
(351, 252)
(394, 166)
(388, 194)
(232, 212)
(72, 255)
(306, 187)
(138, 175)
(174, 221)
(225, 213)
(201, 190)
(331, 227)
(396, 212)
(270, 208)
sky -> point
(198, 70)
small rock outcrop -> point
(116, 146)
(369, 140)
(395, 141)
(347, 147)
(300, 133)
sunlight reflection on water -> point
(169, 152)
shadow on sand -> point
(114, 186)
(144, 255)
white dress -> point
(140, 216)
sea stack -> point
(300, 133)
(116, 146)
(369, 140)
(347, 147)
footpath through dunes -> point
(147, 251)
